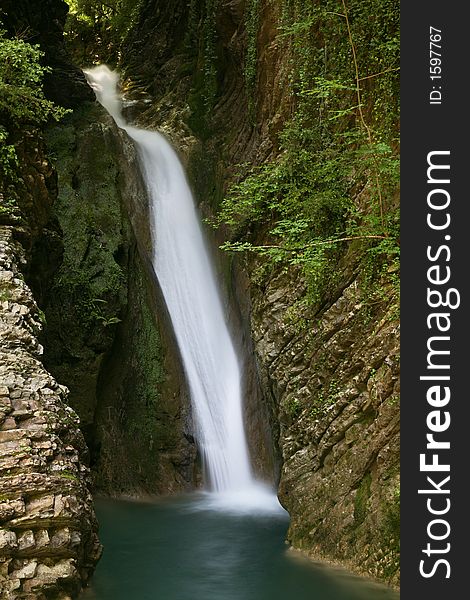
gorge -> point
(258, 99)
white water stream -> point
(186, 276)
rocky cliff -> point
(48, 535)
(48, 530)
(231, 82)
(75, 233)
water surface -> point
(184, 549)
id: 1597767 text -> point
(435, 65)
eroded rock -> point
(48, 529)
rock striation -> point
(335, 383)
(48, 529)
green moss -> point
(325, 398)
(361, 500)
(5, 294)
(90, 280)
(252, 19)
(393, 514)
(144, 419)
(294, 408)
(306, 198)
(391, 535)
(68, 475)
(86, 295)
(201, 41)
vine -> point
(252, 27)
(201, 46)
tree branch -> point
(313, 244)
(377, 74)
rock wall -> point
(165, 82)
(73, 244)
(43, 23)
(322, 409)
(48, 530)
(336, 384)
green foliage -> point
(390, 533)
(22, 105)
(307, 197)
(361, 499)
(8, 158)
(22, 100)
(87, 286)
(325, 399)
(333, 186)
(393, 513)
(294, 408)
(68, 475)
(201, 45)
(96, 28)
(252, 27)
(119, 16)
(8, 178)
(72, 282)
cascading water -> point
(182, 265)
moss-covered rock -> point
(142, 439)
(340, 446)
(87, 293)
(106, 335)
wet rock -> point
(330, 387)
(118, 358)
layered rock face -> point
(336, 384)
(48, 530)
(48, 534)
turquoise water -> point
(181, 550)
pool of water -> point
(185, 549)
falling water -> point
(186, 276)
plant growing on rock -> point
(22, 106)
(332, 187)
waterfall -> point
(186, 276)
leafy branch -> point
(361, 112)
(247, 247)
